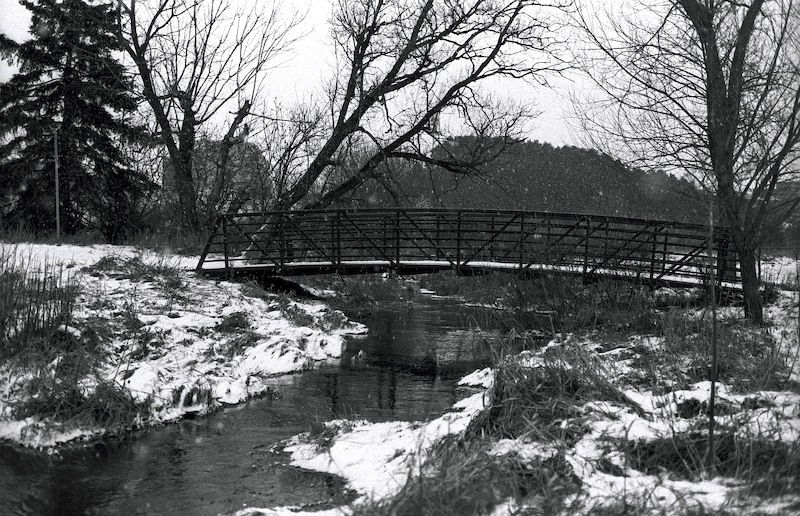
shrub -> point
(554, 302)
(295, 313)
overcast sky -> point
(303, 72)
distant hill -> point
(538, 176)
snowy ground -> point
(188, 352)
(178, 343)
(378, 459)
(780, 270)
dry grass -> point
(38, 341)
(34, 303)
(461, 477)
(749, 357)
(769, 467)
(539, 401)
(609, 306)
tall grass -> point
(534, 398)
(569, 304)
(749, 357)
(35, 300)
(463, 477)
(39, 343)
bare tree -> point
(195, 59)
(711, 88)
(289, 139)
(408, 71)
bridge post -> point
(334, 241)
(339, 241)
(721, 246)
(385, 232)
(491, 243)
(281, 241)
(458, 242)
(586, 248)
(521, 244)
(397, 239)
(439, 253)
(654, 238)
(225, 246)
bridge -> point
(410, 241)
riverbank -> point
(609, 415)
(118, 338)
(609, 418)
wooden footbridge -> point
(408, 241)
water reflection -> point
(404, 369)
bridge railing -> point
(285, 241)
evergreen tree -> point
(70, 87)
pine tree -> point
(70, 87)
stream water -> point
(417, 348)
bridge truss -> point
(353, 241)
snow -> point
(780, 270)
(481, 378)
(176, 358)
(376, 459)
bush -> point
(63, 400)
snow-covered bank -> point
(374, 458)
(178, 343)
(639, 450)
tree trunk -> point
(750, 285)
(182, 165)
(184, 187)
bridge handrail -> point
(614, 218)
(466, 236)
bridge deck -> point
(468, 241)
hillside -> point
(538, 176)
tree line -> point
(135, 95)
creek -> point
(405, 368)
